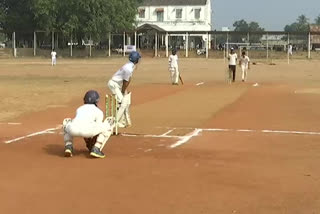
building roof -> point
(314, 28)
(149, 27)
(173, 2)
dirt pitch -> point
(204, 147)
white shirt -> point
(233, 59)
(290, 49)
(173, 61)
(124, 73)
(88, 113)
(53, 54)
(244, 60)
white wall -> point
(186, 23)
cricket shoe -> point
(68, 151)
(95, 152)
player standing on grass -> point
(244, 62)
(174, 68)
(233, 57)
(118, 85)
(88, 123)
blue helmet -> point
(134, 57)
(91, 97)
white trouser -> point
(174, 71)
(123, 115)
(87, 130)
(53, 61)
(116, 89)
(244, 69)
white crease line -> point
(182, 139)
(14, 124)
(129, 135)
(291, 132)
(168, 132)
(47, 131)
(186, 138)
(148, 150)
(245, 130)
(250, 130)
(200, 83)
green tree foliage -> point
(317, 20)
(81, 18)
(2, 14)
(17, 15)
(245, 27)
(301, 25)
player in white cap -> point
(233, 57)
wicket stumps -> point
(112, 109)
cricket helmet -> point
(91, 97)
(134, 57)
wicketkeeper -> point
(88, 123)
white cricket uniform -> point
(244, 62)
(233, 59)
(116, 82)
(232, 66)
(87, 123)
(290, 50)
(53, 58)
(174, 68)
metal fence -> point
(271, 45)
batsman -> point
(118, 85)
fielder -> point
(174, 68)
(53, 57)
(290, 48)
(88, 123)
(118, 85)
(233, 57)
(244, 63)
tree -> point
(45, 14)
(81, 19)
(243, 26)
(2, 15)
(17, 15)
(317, 20)
(85, 18)
(301, 25)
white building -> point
(168, 24)
(176, 15)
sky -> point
(273, 15)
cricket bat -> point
(181, 79)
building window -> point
(178, 13)
(197, 13)
(159, 14)
(142, 13)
